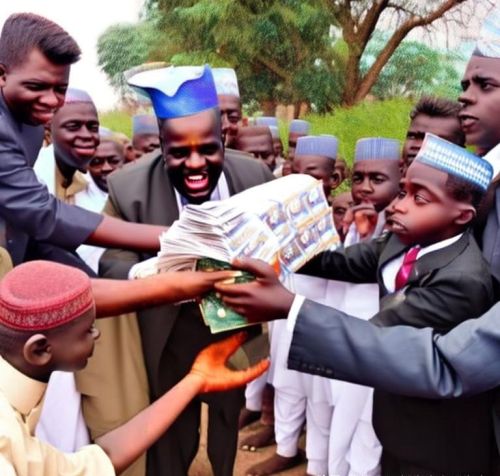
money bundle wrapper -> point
(286, 221)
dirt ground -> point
(244, 459)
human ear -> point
(3, 74)
(465, 215)
(37, 350)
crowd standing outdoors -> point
(384, 351)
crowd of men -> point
(383, 350)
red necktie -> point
(405, 270)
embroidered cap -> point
(41, 295)
(74, 95)
(325, 146)
(145, 124)
(377, 148)
(177, 91)
(455, 160)
(488, 42)
(226, 82)
(266, 121)
(274, 132)
(299, 126)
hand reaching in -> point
(210, 366)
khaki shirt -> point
(67, 193)
(22, 454)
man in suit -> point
(440, 281)
(35, 59)
(191, 169)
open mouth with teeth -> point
(395, 226)
(196, 182)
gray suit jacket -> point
(26, 206)
(142, 193)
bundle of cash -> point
(288, 220)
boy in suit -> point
(431, 273)
(47, 314)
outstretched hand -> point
(210, 366)
(264, 299)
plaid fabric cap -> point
(488, 43)
(300, 126)
(266, 121)
(455, 160)
(41, 295)
(325, 146)
(377, 148)
(226, 82)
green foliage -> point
(413, 70)
(117, 121)
(389, 118)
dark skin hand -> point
(264, 299)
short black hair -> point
(464, 191)
(436, 107)
(23, 32)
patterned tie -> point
(405, 270)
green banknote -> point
(215, 313)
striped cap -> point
(317, 145)
(226, 82)
(266, 121)
(300, 126)
(177, 91)
(488, 42)
(41, 295)
(455, 160)
(377, 148)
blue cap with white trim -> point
(317, 145)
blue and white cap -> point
(455, 160)
(266, 121)
(74, 95)
(226, 82)
(299, 126)
(177, 91)
(105, 131)
(145, 124)
(274, 132)
(488, 42)
(377, 148)
(317, 145)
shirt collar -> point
(22, 392)
(439, 245)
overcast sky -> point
(85, 21)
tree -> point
(359, 19)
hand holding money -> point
(263, 299)
(210, 366)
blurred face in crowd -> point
(257, 141)
(481, 103)
(194, 153)
(34, 89)
(375, 181)
(230, 113)
(109, 156)
(317, 166)
(340, 172)
(75, 134)
(292, 143)
(445, 127)
(340, 204)
(145, 143)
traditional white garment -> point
(93, 199)
(61, 421)
(300, 397)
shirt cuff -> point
(294, 312)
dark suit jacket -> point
(26, 206)
(142, 193)
(445, 288)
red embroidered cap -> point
(41, 295)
